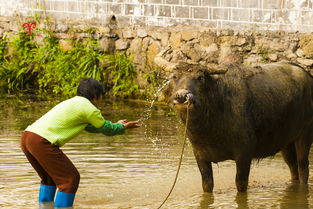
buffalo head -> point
(189, 82)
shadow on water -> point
(208, 201)
(295, 196)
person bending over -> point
(41, 141)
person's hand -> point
(130, 124)
(122, 121)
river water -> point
(136, 170)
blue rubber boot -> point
(64, 200)
(46, 193)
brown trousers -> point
(51, 164)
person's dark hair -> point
(89, 88)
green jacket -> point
(68, 118)
(108, 128)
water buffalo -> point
(241, 113)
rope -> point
(181, 156)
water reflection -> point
(295, 196)
(206, 200)
(137, 170)
(242, 200)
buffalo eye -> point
(200, 78)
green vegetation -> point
(154, 79)
(122, 73)
(3, 44)
(39, 64)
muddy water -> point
(136, 170)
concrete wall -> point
(287, 15)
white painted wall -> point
(288, 15)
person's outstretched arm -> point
(111, 129)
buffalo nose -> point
(181, 96)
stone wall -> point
(202, 45)
(287, 15)
(191, 44)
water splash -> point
(148, 112)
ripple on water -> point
(137, 170)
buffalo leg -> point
(206, 174)
(303, 150)
(242, 175)
(290, 157)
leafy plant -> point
(123, 74)
(89, 60)
(64, 69)
(155, 81)
(3, 45)
(48, 69)
(36, 63)
(16, 69)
